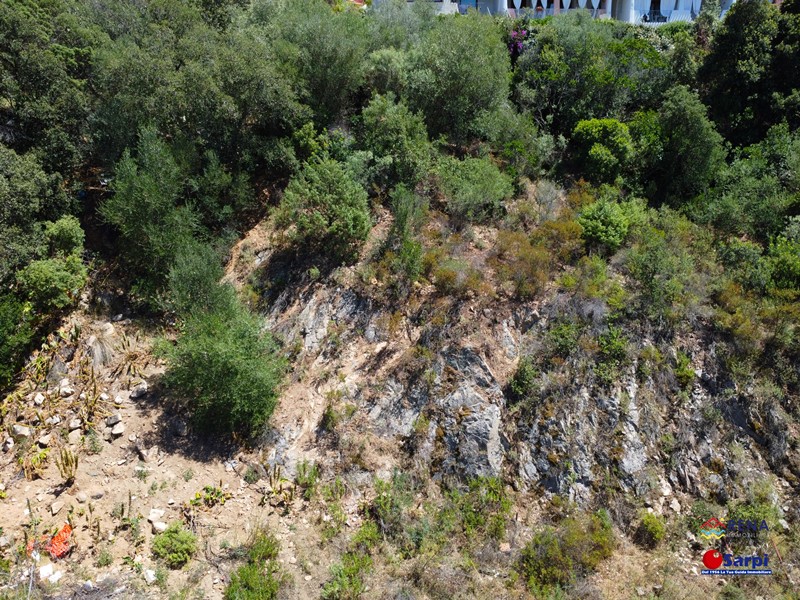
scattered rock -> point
(75, 424)
(54, 420)
(784, 524)
(139, 390)
(155, 514)
(675, 505)
(67, 391)
(56, 507)
(55, 577)
(38, 399)
(45, 440)
(45, 571)
(81, 497)
(149, 576)
(113, 419)
(88, 586)
(21, 431)
(96, 494)
(159, 527)
(5, 542)
(8, 444)
(74, 437)
(118, 430)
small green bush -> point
(651, 531)
(228, 368)
(261, 578)
(175, 546)
(605, 224)
(523, 384)
(784, 257)
(517, 141)
(65, 236)
(326, 211)
(525, 264)
(52, 283)
(557, 555)
(347, 577)
(474, 188)
(16, 335)
(307, 478)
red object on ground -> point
(58, 546)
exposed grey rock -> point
(113, 419)
(44, 441)
(155, 514)
(139, 390)
(8, 445)
(56, 507)
(472, 433)
(159, 527)
(118, 429)
(74, 437)
(149, 576)
(38, 399)
(53, 420)
(75, 424)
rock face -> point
(431, 387)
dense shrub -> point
(516, 141)
(460, 69)
(409, 212)
(525, 264)
(28, 196)
(193, 282)
(261, 577)
(228, 369)
(326, 210)
(176, 546)
(557, 555)
(52, 283)
(474, 188)
(64, 236)
(651, 530)
(604, 148)
(398, 141)
(16, 333)
(605, 224)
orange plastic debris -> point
(58, 546)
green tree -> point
(326, 210)
(736, 71)
(604, 148)
(52, 283)
(28, 196)
(145, 211)
(692, 148)
(460, 69)
(397, 140)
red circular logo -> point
(712, 559)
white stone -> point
(159, 527)
(149, 576)
(38, 399)
(118, 429)
(81, 497)
(8, 444)
(74, 437)
(45, 440)
(54, 420)
(675, 505)
(55, 577)
(46, 571)
(75, 424)
(67, 391)
(155, 514)
(21, 431)
(56, 507)
(88, 586)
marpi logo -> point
(713, 529)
